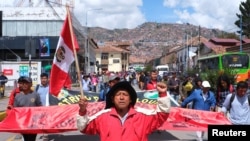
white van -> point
(161, 69)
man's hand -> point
(9, 107)
(83, 105)
(162, 89)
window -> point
(235, 61)
(124, 56)
(116, 61)
(105, 56)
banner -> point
(72, 97)
(46, 120)
(44, 49)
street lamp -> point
(87, 60)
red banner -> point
(54, 119)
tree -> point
(245, 15)
(228, 35)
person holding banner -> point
(121, 120)
(27, 98)
(203, 99)
(15, 91)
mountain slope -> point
(150, 39)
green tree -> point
(228, 35)
(244, 8)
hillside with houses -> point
(151, 40)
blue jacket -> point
(103, 93)
(198, 101)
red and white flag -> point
(63, 58)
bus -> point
(161, 69)
(238, 61)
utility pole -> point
(241, 33)
(199, 35)
(87, 59)
(187, 54)
(30, 57)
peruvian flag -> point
(64, 57)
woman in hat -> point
(121, 120)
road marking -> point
(11, 138)
(5, 97)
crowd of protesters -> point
(190, 91)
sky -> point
(218, 14)
(116, 14)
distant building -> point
(26, 29)
(112, 56)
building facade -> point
(26, 30)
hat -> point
(114, 77)
(123, 85)
(27, 79)
(205, 84)
(20, 79)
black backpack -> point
(37, 87)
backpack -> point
(37, 87)
(232, 99)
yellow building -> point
(112, 56)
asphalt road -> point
(77, 136)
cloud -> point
(220, 14)
(113, 14)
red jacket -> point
(137, 126)
(12, 96)
(151, 85)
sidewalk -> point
(4, 101)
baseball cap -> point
(114, 77)
(206, 84)
(20, 79)
(27, 79)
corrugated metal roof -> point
(224, 40)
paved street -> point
(77, 136)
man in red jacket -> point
(15, 91)
(120, 120)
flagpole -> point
(75, 55)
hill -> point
(150, 39)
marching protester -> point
(3, 80)
(27, 98)
(94, 81)
(150, 84)
(15, 91)
(224, 88)
(203, 99)
(86, 83)
(186, 88)
(238, 105)
(173, 85)
(121, 120)
(43, 89)
(113, 79)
